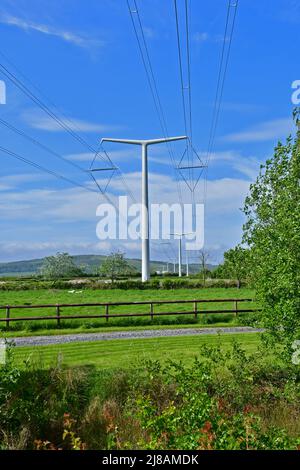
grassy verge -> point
(124, 354)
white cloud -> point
(202, 37)
(39, 121)
(5, 187)
(80, 157)
(115, 155)
(11, 182)
(69, 215)
(25, 250)
(247, 166)
(67, 36)
(161, 157)
(266, 131)
(242, 107)
(150, 33)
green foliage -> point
(133, 284)
(272, 232)
(59, 266)
(236, 265)
(204, 271)
(211, 405)
(115, 265)
(221, 400)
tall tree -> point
(272, 231)
(204, 257)
(236, 264)
(115, 265)
(60, 265)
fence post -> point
(196, 309)
(235, 308)
(58, 315)
(106, 312)
(7, 316)
(151, 310)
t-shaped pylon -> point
(145, 196)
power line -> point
(43, 106)
(44, 169)
(225, 71)
(187, 100)
(120, 175)
(58, 175)
(51, 114)
(189, 95)
(47, 149)
(33, 85)
(180, 66)
(152, 85)
(189, 69)
(39, 144)
(225, 55)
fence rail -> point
(196, 310)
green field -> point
(129, 353)
(53, 296)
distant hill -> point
(88, 262)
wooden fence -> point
(58, 316)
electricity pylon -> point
(145, 196)
(180, 235)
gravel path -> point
(74, 338)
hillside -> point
(89, 262)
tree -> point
(114, 265)
(204, 257)
(272, 231)
(236, 264)
(60, 265)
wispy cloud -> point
(266, 131)
(242, 107)
(121, 156)
(247, 166)
(39, 121)
(150, 33)
(19, 250)
(115, 155)
(67, 36)
(202, 37)
(289, 11)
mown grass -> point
(126, 354)
(53, 296)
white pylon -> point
(145, 197)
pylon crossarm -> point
(102, 169)
(190, 167)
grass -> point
(114, 354)
(53, 296)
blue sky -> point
(84, 58)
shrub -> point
(222, 400)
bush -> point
(94, 283)
(222, 400)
